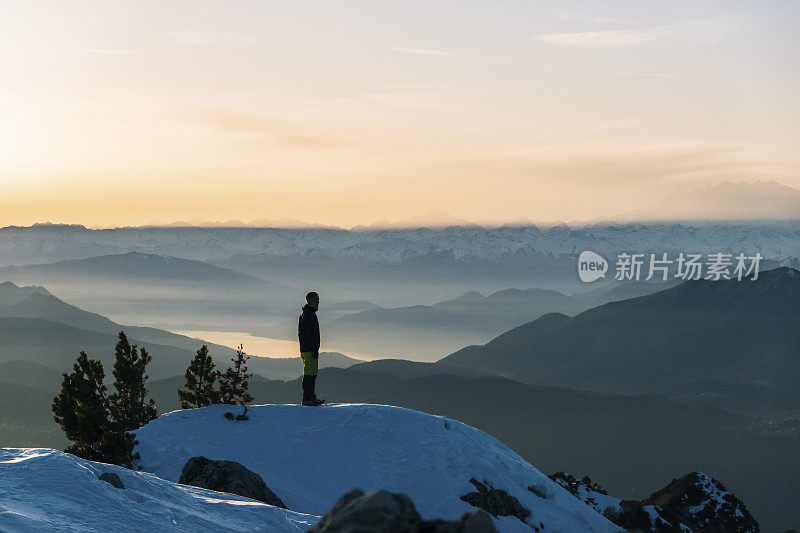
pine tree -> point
(82, 410)
(233, 383)
(200, 379)
(96, 423)
(129, 405)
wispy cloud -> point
(638, 74)
(272, 129)
(202, 37)
(110, 51)
(420, 51)
(409, 99)
(571, 16)
(626, 165)
(693, 32)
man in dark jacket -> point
(308, 333)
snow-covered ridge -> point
(311, 457)
(45, 491)
(775, 240)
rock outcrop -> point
(227, 476)
(693, 503)
(113, 479)
(703, 504)
(631, 515)
(380, 511)
(496, 502)
(585, 490)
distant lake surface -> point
(253, 345)
(260, 346)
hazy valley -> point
(583, 380)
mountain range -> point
(391, 268)
(425, 332)
(761, 200)
(131, 267)
(501, 245)
(564, 429)
(232, 223)
(39, 327)
(431, 219)
(729, 338)
(41, 336)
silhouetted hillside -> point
(422, 332)
(38, 303)
(731, 333)
(128, 267)
(57, 345)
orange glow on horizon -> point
(122, 115)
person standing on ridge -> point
(308, 333)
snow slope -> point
(311, 456)
(45, 490)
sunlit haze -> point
(343, 113)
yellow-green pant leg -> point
(310, 363)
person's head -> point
(312, 299)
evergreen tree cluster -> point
(97, 423)
(205, 385)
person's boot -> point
(312, 383)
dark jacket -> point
(308, 330)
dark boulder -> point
(496, 502)
(227, 476)
(111, 478)
(476, 521)
(381, 511)
(376, 511)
